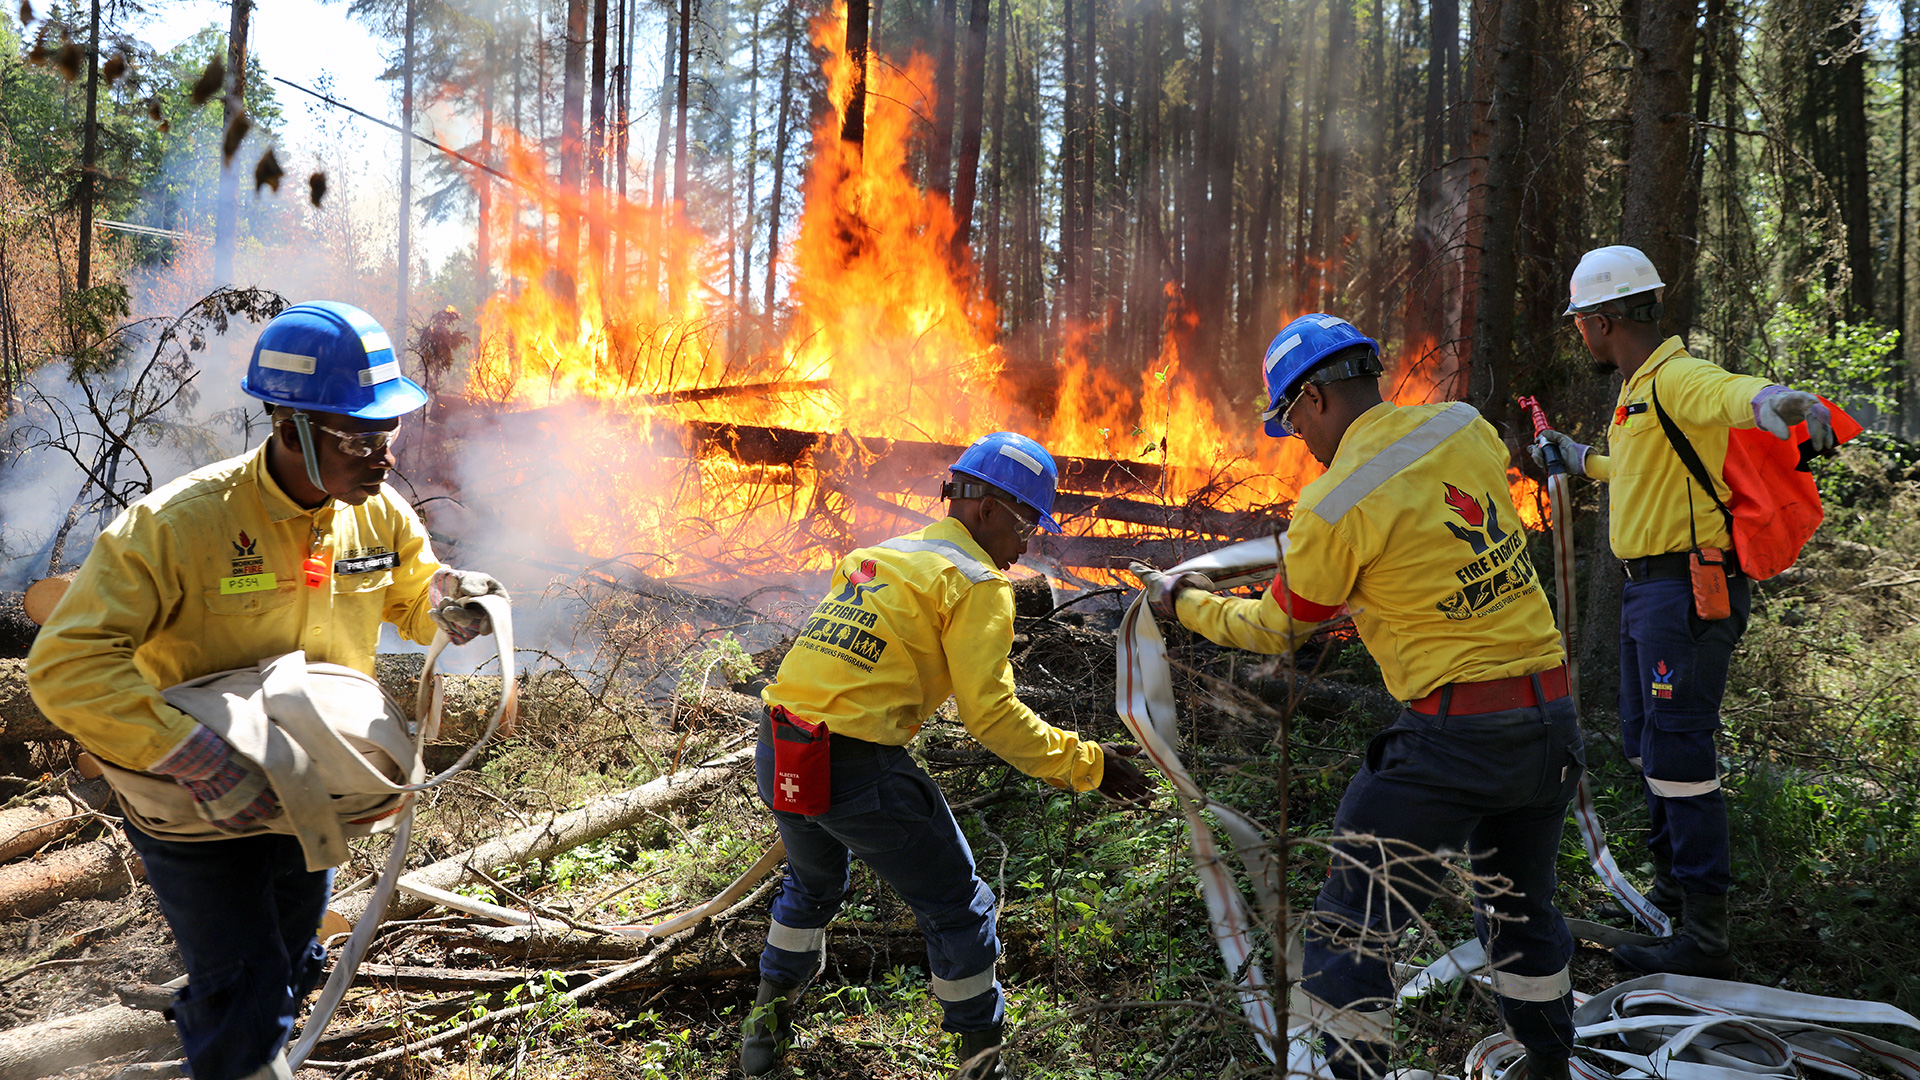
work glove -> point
(1777, 409)
(1121, 780)
(448, 594)
(1573, 453)
(228, 790)
(1163, 590)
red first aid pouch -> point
(802, 765)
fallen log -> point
(607, 814)
(31, 886)
(1320, 696)
(16, 629)
(44, 1049)
(41, 821)
(472, 980)
(1188, 517)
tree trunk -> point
(1660, 140)
(972, 105)
(39, 822)
(1089, 149)
(1493, 313)
(32, 886)
(596, 157)
(83, 268)
(1681, 306)
(780, 142)
(403, 256)
(996, 175)
(1069, 169)
(572, 158)
(940, 141)
(1856, 192)
(483, 183)
(233, 106)
(853, 127)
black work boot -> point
(1666, 895)
(1700, 948)
(975, 1043)
(768, 1028)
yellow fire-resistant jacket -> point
(908, 622)
(204, 575)
(1413, 530)
(1650, 485)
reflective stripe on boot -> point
(768, 1028)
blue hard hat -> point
(1299, 348)
(327, 356)
(1016, 465)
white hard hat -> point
(1610, 273)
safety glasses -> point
(1026, 528)
(361, 443)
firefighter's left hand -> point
(1777, 409)
(449, 592)
(1121, 780)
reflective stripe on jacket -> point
(205, 575)
(908, 622)
(1413, 530)
(1649, 484)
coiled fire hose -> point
(427, 727)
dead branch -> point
(471, 980)
(602, 816)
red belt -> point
(1495, 695)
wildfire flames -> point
(888, 340)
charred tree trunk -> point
(234, 106)
(1660, 142)
(1330, 154)
(973, 90)
(853, 127)
(1070, 134)
(1493, 313)
(572, 106)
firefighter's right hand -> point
(1163, 590)
(449, 592)
(1121, 780)
(1573, 453)
(228, 790)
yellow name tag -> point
(249, 583)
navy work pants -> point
(891, 814)
(1493, 785)
(245, 913)
(1673, 673)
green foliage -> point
(723, 655)
(1851, 362)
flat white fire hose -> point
(1145, 703)
(427, 726)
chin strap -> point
(307, 453)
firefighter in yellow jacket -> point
(904, 624)
(1411, 530)
(1667, 517)
(298, 544)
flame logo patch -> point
(243, 547)
(857, 588)
(1662, 680)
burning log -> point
(32, 886)
(46, 1048)
(1192, 517)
